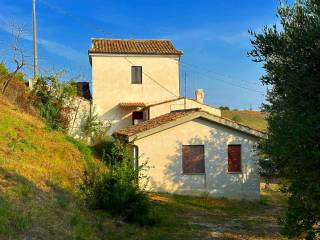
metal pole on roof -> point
(35, 57)
(185, 90)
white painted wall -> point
(111, 83)
(160, 109)
(78, 116)
(163, 151)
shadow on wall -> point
(116, 113)
(216, 181)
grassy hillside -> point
(39, 173)
(253, 119)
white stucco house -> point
(191, 148)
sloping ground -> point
(39, 175)
(253, 119)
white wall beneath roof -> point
(178, 104)
(111, 83)
(163, 152)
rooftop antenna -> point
(35, 57)
(185, 90)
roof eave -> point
(134, 53)
(218, 120)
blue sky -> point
(211, 33)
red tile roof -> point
(171, 117)
(154, 122)
(128, 46)
(131, 104)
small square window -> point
(137, 117)
(193, 159)
(234, 158)
(136, 74)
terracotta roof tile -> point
(176, 115)
(154, 122)
(128, 46)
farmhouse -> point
(191, 149)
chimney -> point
(199, 95)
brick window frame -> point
(234, 158)
(193, 159)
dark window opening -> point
(136, 74)
(234, 158)
(193, 159)
(137, 117)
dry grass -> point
(253, 119)
(39, 173)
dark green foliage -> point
(224, 108)
(54, 100)
(117, 189)
(291, 58)
(237, 118)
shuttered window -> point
(193, 159)
(136, 74)
(234, 158)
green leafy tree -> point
(291, 57)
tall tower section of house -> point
(127, 75)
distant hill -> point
(253, 119)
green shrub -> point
(237, 118)
(54, 100)
(93, 129)
(117, 190)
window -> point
(193, 159)
(136, 74)
(234, 158)
(137, 117)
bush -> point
(224, 108)
(117, 190)
(17, 91)
(237, 118)
(93, 129)
(54, 100)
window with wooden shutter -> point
(136, 74)
(193, 159)
(234, 158)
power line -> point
(227, 82)
(151, 78)
(64, 12)
(218, 74)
